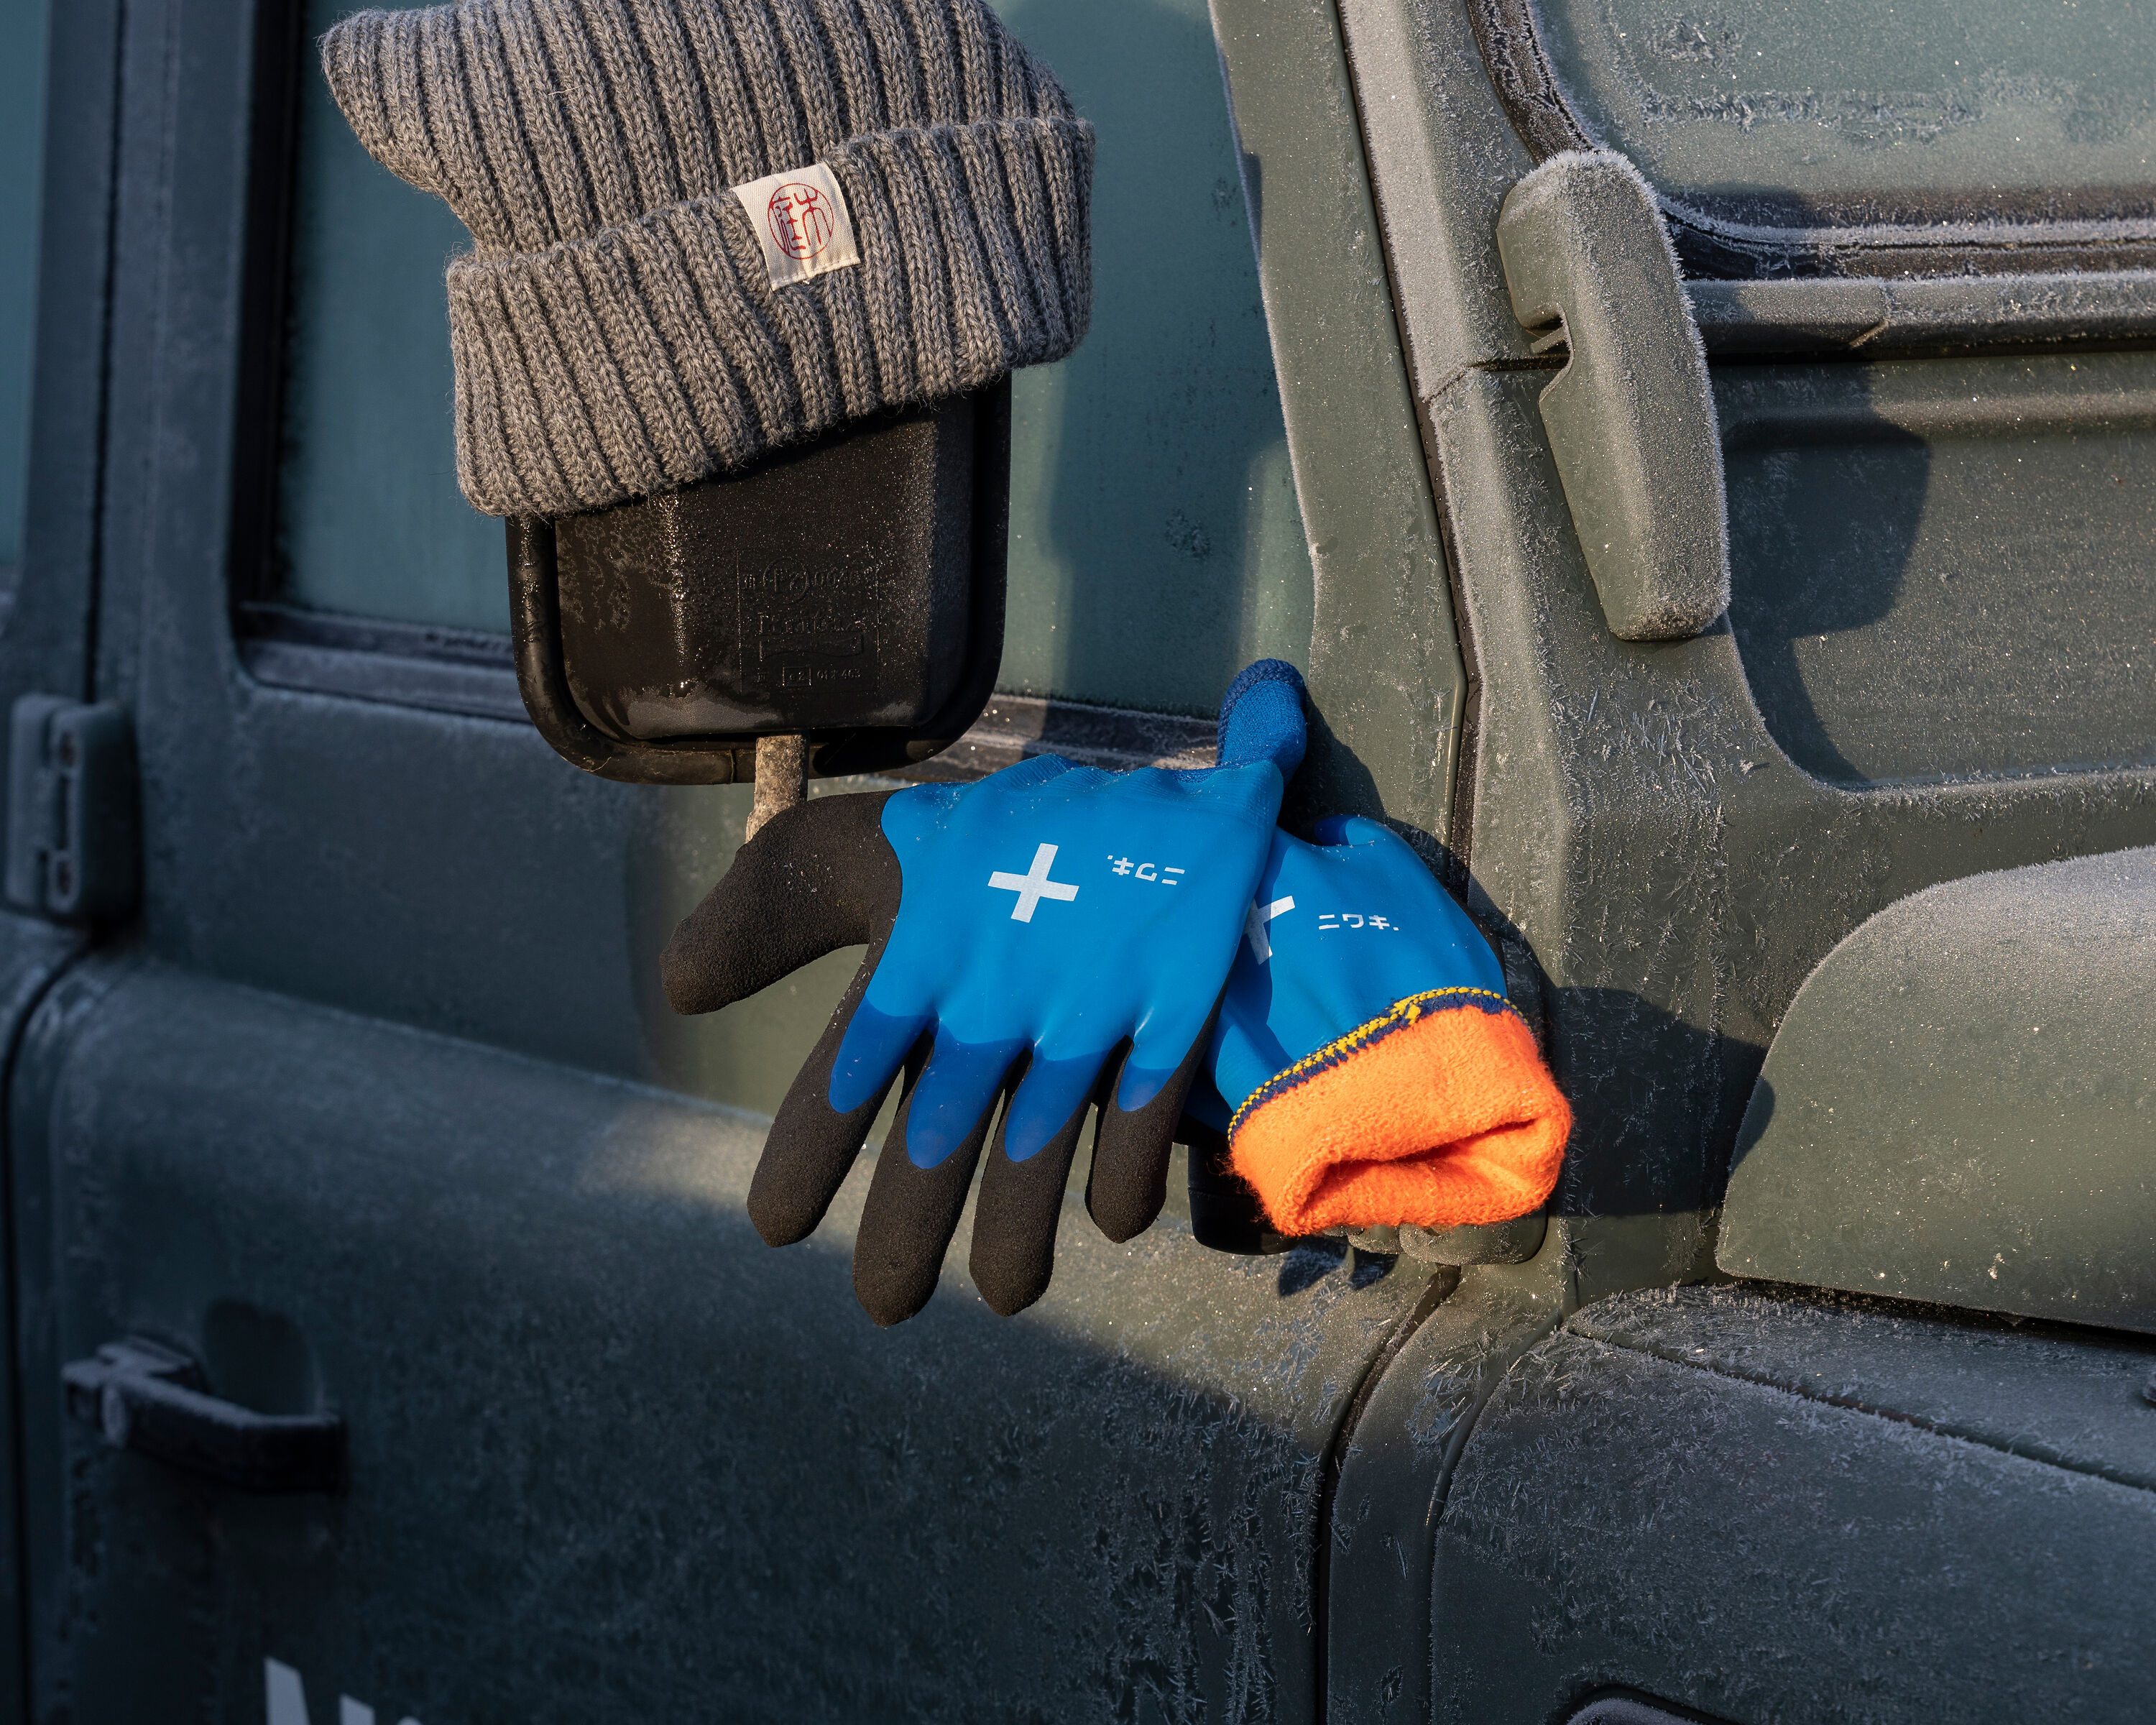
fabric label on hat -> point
(801, 219)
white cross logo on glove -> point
(1032, 888)
(1253, 926)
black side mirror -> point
(851, 590)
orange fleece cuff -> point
(1439, 1113)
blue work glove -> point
(1053, 934)
(1367, 1070)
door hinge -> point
(73, 834)
(1630, 419)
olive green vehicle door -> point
(54, 237)
(370, 1131)
(391, 1339)
(1915, 241)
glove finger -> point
(1162, 1047)
(1261, 717)
(811, 1146)
(955, 1094)
(1022, 1188)
(819, 876)
(910, 1217)
(1041, 1105)
(1128, 1181)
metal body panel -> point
(2072, 1397)
(1788, 314)
(45, 641)
(1442, 156)
(1661, 876)
(1961, 1104)
(612, 1457)
(1946, 567)
(1386, 676)
(46, 623)
(1675, 874)
(1395, 1469)
(393, 1069)
(1780, 1509)
(371, 1069)
(32, 954)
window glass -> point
(370, 522)
(1155, 540)
(1800, 111)
(1156, 545)
(22, 139)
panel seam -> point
(18, 1411)
(1443, 1281)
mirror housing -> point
(851, 589)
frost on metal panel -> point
(614, 1458)
(1861, 110)
(1674, 1495)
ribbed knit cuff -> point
(1440, 1112)
(656, 352)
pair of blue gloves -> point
(1055, 940)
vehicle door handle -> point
(145, 1397)
(1630, 418)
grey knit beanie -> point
(705, 228)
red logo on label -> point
(801, 219)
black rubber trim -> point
(474, 674)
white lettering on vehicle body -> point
(284, 1698)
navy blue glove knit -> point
(1053, 935)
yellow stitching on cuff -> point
(1403, 1013)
